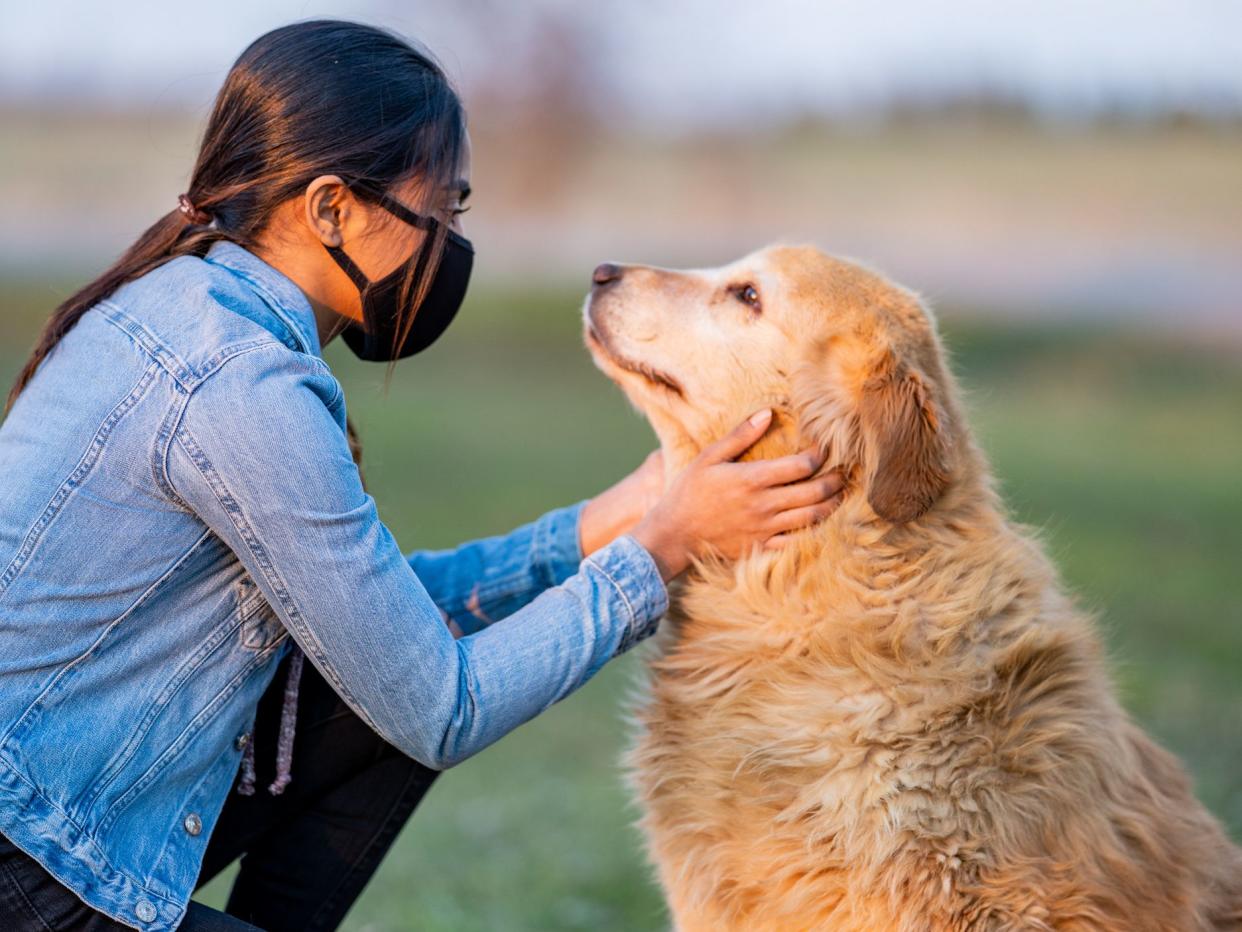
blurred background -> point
(1061, 181)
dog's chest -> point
(747, 780)
(775, 736)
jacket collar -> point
(285, 299)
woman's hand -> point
(727, 506)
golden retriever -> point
(899, 720)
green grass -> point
(1125, 451)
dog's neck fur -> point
(865, 591)
(897, 632)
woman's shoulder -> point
(195, 314)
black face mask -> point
(373, 340)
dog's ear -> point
(903, 433)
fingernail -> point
(760, 416)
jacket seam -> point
(628, 605)
(160, 452)
(158, 860)
(155, 349)
(82, 657)
(251, 611)
(179, 744)
(158, 704)
(176, 428)
(265, 294)
(81, 470)
(542, 548)
(513, 584)
(86, 836)
(231, 507)
(186, 378)
(535, 572)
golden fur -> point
(900, 721)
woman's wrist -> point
(604, 518)
(666, 549)
(618, 509)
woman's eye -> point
(747, 295)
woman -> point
(183, 514)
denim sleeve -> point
(259, 453)
(482, 581)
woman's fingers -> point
(784, 469)
(807, 492)
(739, 440)
(796, 518)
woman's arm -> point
(482, 581)
(260, 454)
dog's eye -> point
(747, 294)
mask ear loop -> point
(349, 267)
(401, 212)
(361, 282)
(396, 208)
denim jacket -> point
(177, 498)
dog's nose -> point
(606, 272)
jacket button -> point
(144, 910)
(241, 741)
(193, 824)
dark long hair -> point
(307, 99)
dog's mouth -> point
(650, 373)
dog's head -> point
(847, 360)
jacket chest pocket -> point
(259, 626)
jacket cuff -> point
(633, 572)
(558, 548)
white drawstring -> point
(284, 744)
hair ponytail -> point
(307, 99)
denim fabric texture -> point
(178, 504)
(32, 900)
(308, 854)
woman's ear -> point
(903, 433)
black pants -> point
(305, 854)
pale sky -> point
(692, 60)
